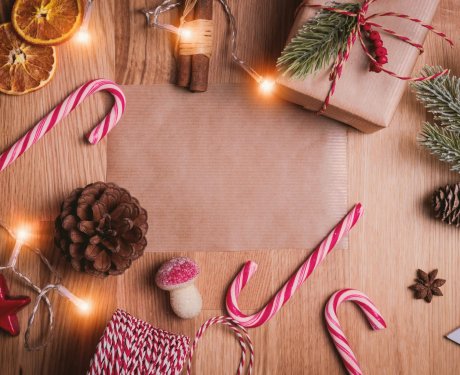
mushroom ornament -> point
(177, 276)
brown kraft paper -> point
(363, 99)
(229, 169)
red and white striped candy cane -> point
(333, 326)
(296, 280)
(62, 110)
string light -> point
(21, 235)
(185, 34)
(266, 85)
(82, 305)
(83, 35)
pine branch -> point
(318, 42)
(441, 97)
(442, 143)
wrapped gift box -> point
(363, 99)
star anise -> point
(427, 285)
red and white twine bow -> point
(357, 33)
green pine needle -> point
(318, 42)
(442, 143)
(441, 97)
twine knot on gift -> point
(364, 31)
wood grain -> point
(145, 56)
(388, 172)
(34, 185)
(65, 148)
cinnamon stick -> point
(200, 63)
(184, 63)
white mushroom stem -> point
(186, 301)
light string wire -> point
(87, 13)
(83, 35)
(153, 15)
(42, 293)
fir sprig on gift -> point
(318, 42)
(441, 97)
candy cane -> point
(62, 110)
(296, 280)
(333, 326)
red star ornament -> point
(9, 306)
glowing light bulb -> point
(21, 236)
(267, 85)
(82, 36)
(185, 34)
(82, 305)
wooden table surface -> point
(388, 172)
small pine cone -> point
(446, 204)
(101, 229)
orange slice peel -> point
(23, 67)
(47, 22)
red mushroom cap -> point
(177, 272)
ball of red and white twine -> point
(62, 110)
(132, 346)
(335, 331)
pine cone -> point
(101, 229)
(446, 204)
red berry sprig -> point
(381, 53)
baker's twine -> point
(240, 332)
(132, 346)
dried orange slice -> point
(23, 66)
(47, 22)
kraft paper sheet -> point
(229, 169)
(363, 99)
